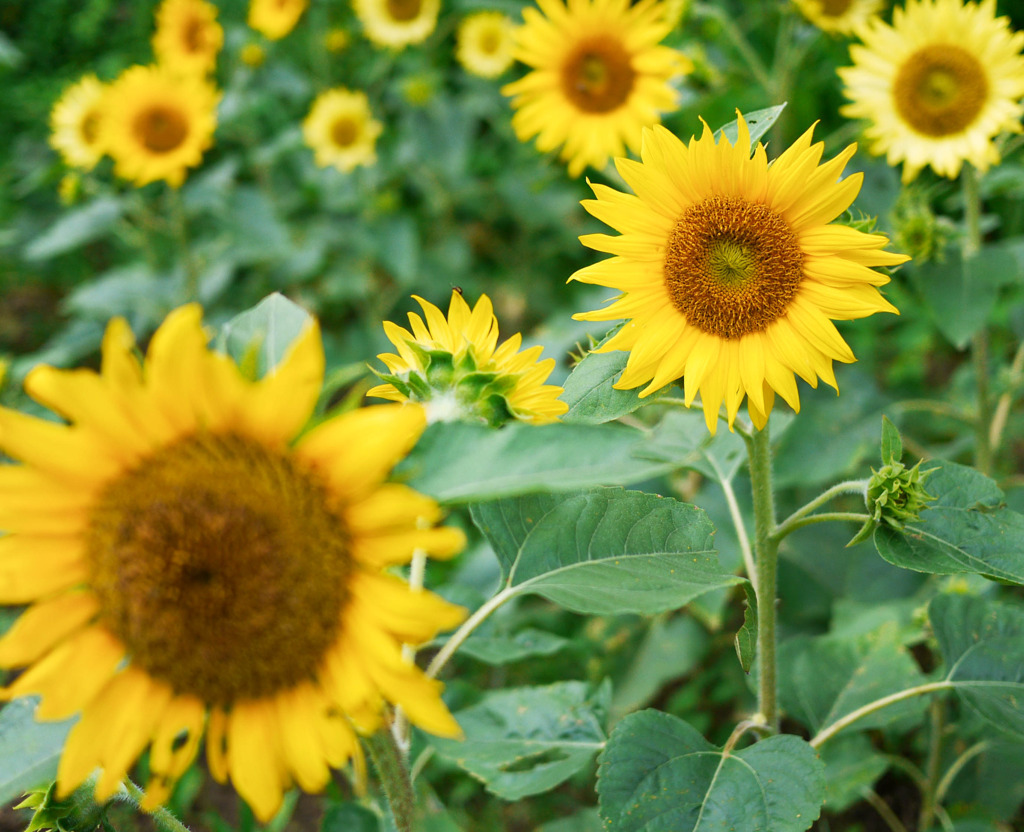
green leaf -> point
(658, 774)
(29, 750)
(459, 462)
(982, 643)
(349, 817)
(604, 550)
(523, 741)
(966, 529)
(259, 337)
(759, 122)
(823, 678)
(851, 765)
(498, 650)
(746, 637)
(589, 392)
(682, 437)
(76, 228)
(892, 444)
(586, 821)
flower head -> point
(937, 85)
(839, 16)
(196, 564)
(75, 123)
(188, 36)
(397, 23)
(275, 18)
(156, 124)
(730, 271)
(599, 76)
(484, 43)
(455, 367)
(341, 130)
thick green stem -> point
(932, 772)
(163, 818)
(394, 777)
(766, 552)
(979, 341)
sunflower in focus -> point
(937, 85)
(484, 43)
(192, 567)
(455, 367)
(188, 36)
(275, 18)
(75, 123)
(839, 16)
(599, 76)
(397, 23)
(730, 271)
(156, 124)
(341, 130)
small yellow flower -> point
(275, 18)
(75, 123)
(839, 16)
(156, 124)
(337, 40)
(485, 43)
(397, 23)
(188, 36)
(455, 367)
(253, 55)
(341, 129)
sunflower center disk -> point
(940, 89)
(90, 127)
(404, 10)
(194, 36)
(221, 567)
(732, 267)
(160, 129)
(835, 8)
(598, 76)
(344, 132)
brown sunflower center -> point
(344, 131)
(835, 8)
(160, 129)
(940, 89)
(598, 75)
(90, 127)
(404, 10)
(221, 566)
(490, 42)
(732, 266)
(193, 35)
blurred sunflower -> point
(937, 85)
(730, 271)
(397, 23)
(156, 124)
(840, 16)
(74, 123)
(191, 568)
(455, 367)
(484, 43)
(275, 18)
(341, 129)
(599, 76)
(188, 36)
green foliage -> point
(29, 750)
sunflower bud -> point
(78, 811)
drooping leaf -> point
(523, 741)
(604, 550)
(29, 750)
(259, 337)
(657, 773)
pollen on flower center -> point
(598, 75)
(940, 89)
(160, 129)
(220, 565)
(731, 266)
(404, 10)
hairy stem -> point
(979, 341)
(394, 777)
(792, 523)
(163, 818)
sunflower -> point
(341, 130)
(937, 85)
(74, 123)
(840, 16)
(599, 76)
(192, 568)
(455, 367)
(484, 43)
(155, 123)
(730, 271)
(275, 18)
(397, 23)
(188, 36)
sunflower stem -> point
(131, 793)
(979, 341)
(185, 251)
(799, 518)
(766, 552)
(394, 778)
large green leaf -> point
(29, 750)
(523, 741)
(682, 437)
(259, 337)
(604, 550)
(658, 774)
(76, 227)
(982, 642)
(504, 649)
(851, 765)
(460, 462)
(966, 529)
(589, 392)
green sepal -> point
(892, 444)
(896, 494)
(78, 812)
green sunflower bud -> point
(78, 812)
